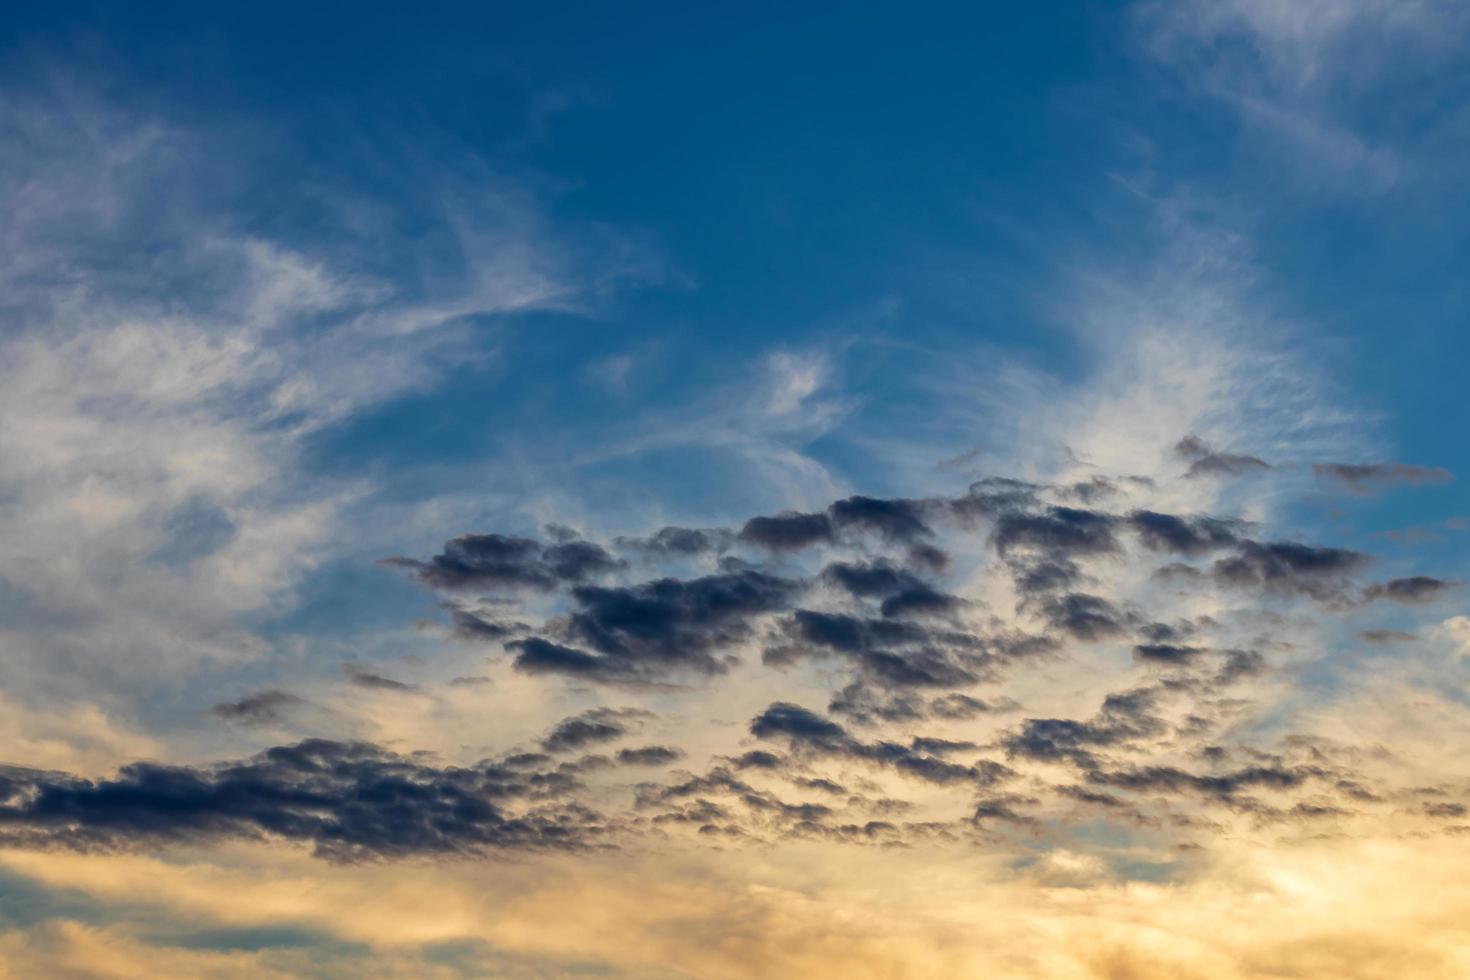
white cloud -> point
(1456, 630)
(159, 371)
(1302, 75)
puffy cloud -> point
(348, 801)
(592, 727)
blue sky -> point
(295, 296)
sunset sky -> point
(677, 491)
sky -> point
(664, 491)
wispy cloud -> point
(161, 366)
(1299, 75)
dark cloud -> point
(363, 677)
(928, 557)
(1207, 462)
(718, 780)
(671, 623)
(1060, 530)
(990, 497)
(1090, 491)
(1363, 478)
(1166, 632)
(906, 649)
(1240, 664)
(1167, 654)
(1034, 576)
(650, 755)
(1169, 779)
(348, 801)
(578, 561)
(903, 593)
(789, 531)
(1059, 739)
(919, 602)
(497, 561)
(865, 706)
(895, 520)
(592, 727)
(940, 746)
(1191, 447)
(784, 718)
(1021, 646)
(1225, 464)
(1124, 718)
(1003, 808)
(1084, 795)
(1181, 535)
(478, 624)
(1386, 636)
(259, 708)
(808, 732)
(680, 542)
(1087, 617)
(960, 707)
(643, 633)
(587, 763)
(894, 652)
(821, 784)
(869, 580)
(535, 655)
(1289, 568)
(1446, 811)
(1410, 591)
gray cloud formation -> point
(1364, 478)
(348, 801)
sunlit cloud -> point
(428, 551)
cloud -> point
(1290, 568)
(1167, 654)
(348, 801)
(808, 732)
(898, 654)
(895, 520)
(1364, 478)
(1143, 711)
(1386, 636)
(1086, 617)
(1411, 590)
(789, 531)
(170, 359)
(259, 708)
(1059, 530)
(1184, 536)
(170, 513)
(592, 727)
(795, 721)
(650, 755)
(680, 541)
(362, 677)
(491, 561)
(640, 633)
(1204, 461)
(1303, 78)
